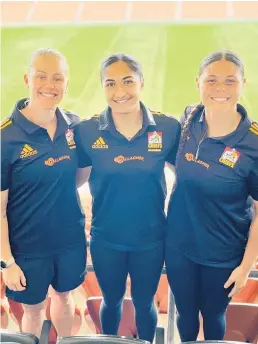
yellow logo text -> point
(121, 159)
(191, 157)
(52, 161)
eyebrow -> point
(41, 71)
(126, 77)
(228, 76)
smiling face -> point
(47, 81)
(122, 87)
(221, 85)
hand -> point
(14, 278)
(239, 277)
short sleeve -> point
(253, 181)
(171, 157)
(84, 159)
(5, 167)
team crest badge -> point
(155, 141)
(229, 157)
(69, 135)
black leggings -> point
(198, 288)
(112, 267)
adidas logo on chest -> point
(100, 143)
(27, 151)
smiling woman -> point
(127, 146)
(212, 238)
(42, 237)
(122, 80)
(47, 79)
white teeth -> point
(121, 101)
(48, 95)
(220, 99)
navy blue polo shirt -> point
(127, 179)
(209, 213)
(43, 211)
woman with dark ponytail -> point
(212, 237)
(127, 146)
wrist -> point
(4, 264)
(245, 268)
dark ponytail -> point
(189, 113)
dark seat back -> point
(100, 339)
(242, 322)
(17, 337)
(213, 342)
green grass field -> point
(170, 55)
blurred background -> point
(169, 38)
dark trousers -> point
(198, 288)
(112, 268)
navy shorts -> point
(64, 270)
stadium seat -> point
(17, 337)
(26, 338)
(249, 294)
(213, 342)
(242, 322)
(127, 325)
(100, 339)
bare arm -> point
(251, 252)
(6, 253)
(82, 175)
(13, 275)
(240, 275)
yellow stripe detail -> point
(158, 113)
(6, 124)
(28, 147)
(25, 150)
(95, 116)
(5, 121)
(254, 125)
(101, 141)
(98, 142)
(254, 130)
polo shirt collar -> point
(234, 137)
(63, 121)
(106, 121)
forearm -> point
(251, 251)
(6, 253)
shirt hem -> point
(203, 262)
